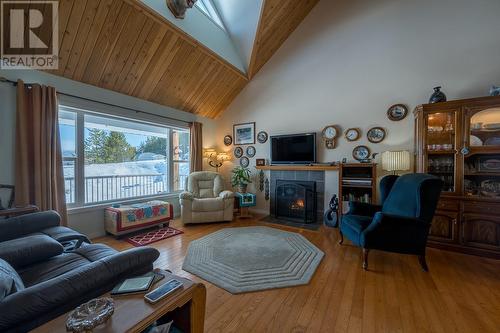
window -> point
(208, 8)
(109, 159)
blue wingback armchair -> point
(401, 223)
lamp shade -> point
(222, 156)
(209, 152)
(396, 160)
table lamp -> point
(215, 159)
(396, 161)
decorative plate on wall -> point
(262, 137)
(361, 153)
(250, 151)
(352, 134)
(376, 134)
(228, 140)
(238, 152)
(397, 112)
(244, 162)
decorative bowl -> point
(490, 188)
(90, 315)
(475, 141)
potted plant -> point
(241, 178)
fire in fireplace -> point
(297, 204)
(296, 200)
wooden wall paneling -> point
(174, 74)
(115, 21)
(64, 13)
(105, 13)
(179, 76)
(70, 34)
(157, 66)
(232, 87)
(198, 99)
(205, 71)
(122, 50)
(146, 54)
(136, 49)
(81, 36)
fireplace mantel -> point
(290, 167)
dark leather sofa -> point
(39, 280)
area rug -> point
(153, 236)
(253, 258)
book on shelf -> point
(359, 198)
(356, 182)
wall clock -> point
(244, 162)
(228, 139)
(250, 151)
(330, 134)
(262, 137)
(361, 153)
(397, 112)
(376, 134)
(352, 134)
(238, 152)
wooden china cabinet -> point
(459, 141)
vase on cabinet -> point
(438, 96)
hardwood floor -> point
(461, 293)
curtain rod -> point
(14, 83)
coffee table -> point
(185, 306)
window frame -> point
(79, 199)
(208, 10)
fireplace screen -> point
(296, 200)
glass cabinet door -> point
(482, 153)
(441, 147)
(484, 128)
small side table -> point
(245, 200)
(16, 211)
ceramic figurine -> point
(438, 96)
(261, 180)
(494, 91)
(266, 185)
(330, 217)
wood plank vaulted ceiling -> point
(124, 46)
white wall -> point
(350, 60)
(88, 221)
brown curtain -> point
(196, 147)
(39, 168)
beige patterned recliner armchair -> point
(204, 199)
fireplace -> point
(295, 200)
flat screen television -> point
(293, 149)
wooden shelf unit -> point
(291, 167)
(357, 172)
(465, 221)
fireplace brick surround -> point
(315, 176)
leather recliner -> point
(40, 281)
(204, 199)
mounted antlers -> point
(179, 7)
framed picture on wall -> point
(244, 134)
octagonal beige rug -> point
(253, 258)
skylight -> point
(208, 8)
